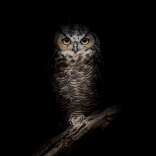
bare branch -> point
(97, 120)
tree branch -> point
(65, 140)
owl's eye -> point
(85, 41)
(66, 41)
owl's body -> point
(76, 77)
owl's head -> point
(75, 38)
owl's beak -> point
(75, 47)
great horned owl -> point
(76, 76)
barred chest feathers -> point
(76, 83)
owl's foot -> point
(76, 119)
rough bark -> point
(97, 121)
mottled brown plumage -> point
(76, 75)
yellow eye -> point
(85, 41)
(66, 41)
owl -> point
(77, 73)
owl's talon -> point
(82, 117)
(70, 123)
(77, 119)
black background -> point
(34, 116)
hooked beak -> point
(75, 47)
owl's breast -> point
(75, 83)
(75, 67)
